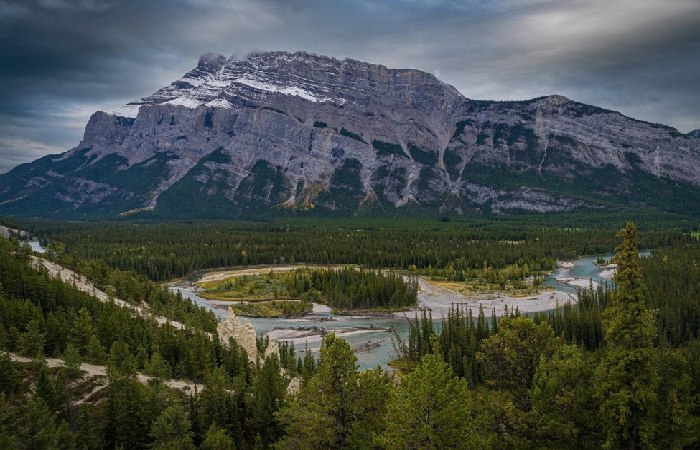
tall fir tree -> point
(328, 412)
(627, 377)
(432, 409)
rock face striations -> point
(295, 131)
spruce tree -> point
(269, 388)
(328, 411)
(172, 429)
(217, 439)
(510, 358)
(627, 377)
(432, 409)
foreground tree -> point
(331, 410)
(627, 377)
(563, 413)
(217, 439)
(269, 388)
(432, 409)
(510, 357)
(172, 429)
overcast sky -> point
(61, 60)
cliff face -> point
(298, 131)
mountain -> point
(695, 133)
(277, 131)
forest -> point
(619, 370)
(451, 249)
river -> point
(373, 337)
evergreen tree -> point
(158, 367)
(432, 409)
(38, 428)
(627, 378)
(324, 414)
(10, 383)
(510, 357)
(72, 360)
(172, 430)
(219, 405)
(8, 434)
(121, 359)
(95, 352)
(217, 439)
(126, 422)
(88, 432)
(269, 388)
(31, 342)
(563, 411)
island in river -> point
(372, 336)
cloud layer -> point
(60, 60)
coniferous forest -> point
(620, 369)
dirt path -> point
(92, 371)
(83, 284)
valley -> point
(202, 313)
(408, 225)
(363, 328)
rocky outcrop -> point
(238, 136)
(244, 335)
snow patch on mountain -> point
(217, 79)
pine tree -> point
(72, 360)
(325, 412)
(172, 429)
(31, 343)
(626, 378)
(563, 413)
(219, 405)
(95, 352)
(510, 358)
(126, 420)
(10, 382)
(217, 439)
(158, 367)
(269, 388)
(38, 428)
(432, 409)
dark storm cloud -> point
(60, 60)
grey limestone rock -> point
(301, 131)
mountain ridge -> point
(298, 131)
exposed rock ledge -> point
(244, 334)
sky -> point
(62, 60)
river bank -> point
(373, 336)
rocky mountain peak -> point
(212, 61)
(298, 131)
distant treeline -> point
(452, 249)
